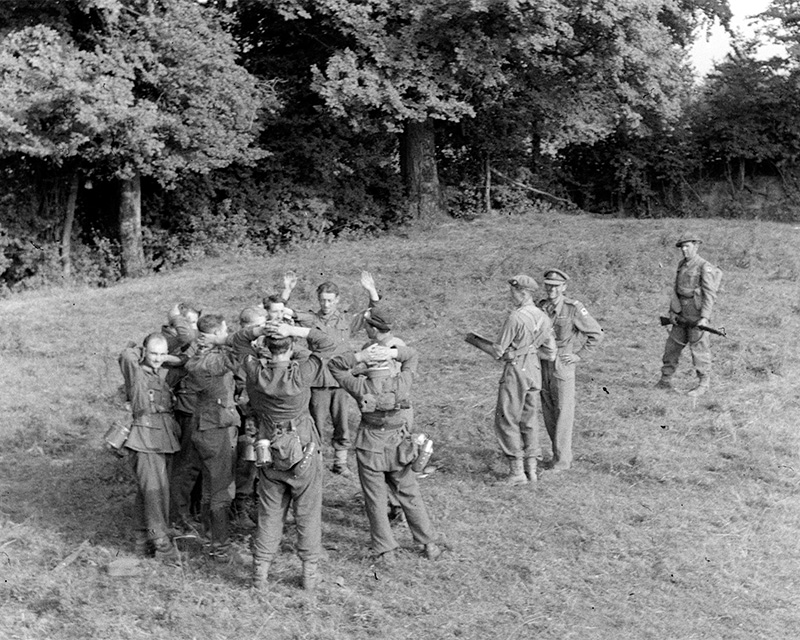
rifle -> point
(665, 321)
(482, 343)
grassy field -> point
(680, 519)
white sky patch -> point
(706, 52)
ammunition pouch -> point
(407, 451)
(286, 450)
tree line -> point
(135, 134)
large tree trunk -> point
(69, 219)
(418, 166)
(130, 227)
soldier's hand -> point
(277, 329)
(367, 281)
(570, 358)
(702, 322)
(673, 317)
(289, 280)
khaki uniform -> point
(693, 297)
(527, 335)
(152, 441)
(327, 398)
(279, 395)
(384, 451)
(576, 333)
(215, 424)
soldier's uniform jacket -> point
(181, 336)
(576, 331)
(154, 429)
(280, 391)
(210, 371)
(382, 441)
(527, 330)
(696, 281)
(336, 326)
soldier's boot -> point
(703, 384)
(205, 519)
(340, 464)
(310, 575)
(241, 510)
(432, 551)
(221, 550)
(530, 468)
(664, 382)
(166, 552)
(516, 473)
(260, 574)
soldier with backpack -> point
(692, 302)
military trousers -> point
(217, 451)
(515, 421)
(276, 491)
(558, 407)
(151, 506)
(186, 469)
(699, 343)
(381, 475)
(331, 401)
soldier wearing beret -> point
(526, 337)
(577, 335)
(691, 305)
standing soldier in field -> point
(327, 398)
(279, 387)
(384, 450)
(216, 422)
(152, 440)
(577, 334)
(526, 337)
(691, 304)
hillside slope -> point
(679, 519)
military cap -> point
(523, 282)
(380, 318)
(555, 276)
(687, 237)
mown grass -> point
(679, 520)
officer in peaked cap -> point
(526, 333)
(693, 296)
(577, 335)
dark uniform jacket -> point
(210, 372)
(154, 429)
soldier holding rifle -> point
(693, 298)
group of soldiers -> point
(541, 344)
(199, 394)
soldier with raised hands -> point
(384, 447)
(327, 398)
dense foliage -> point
(137, 134)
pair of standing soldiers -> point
(542, 345)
